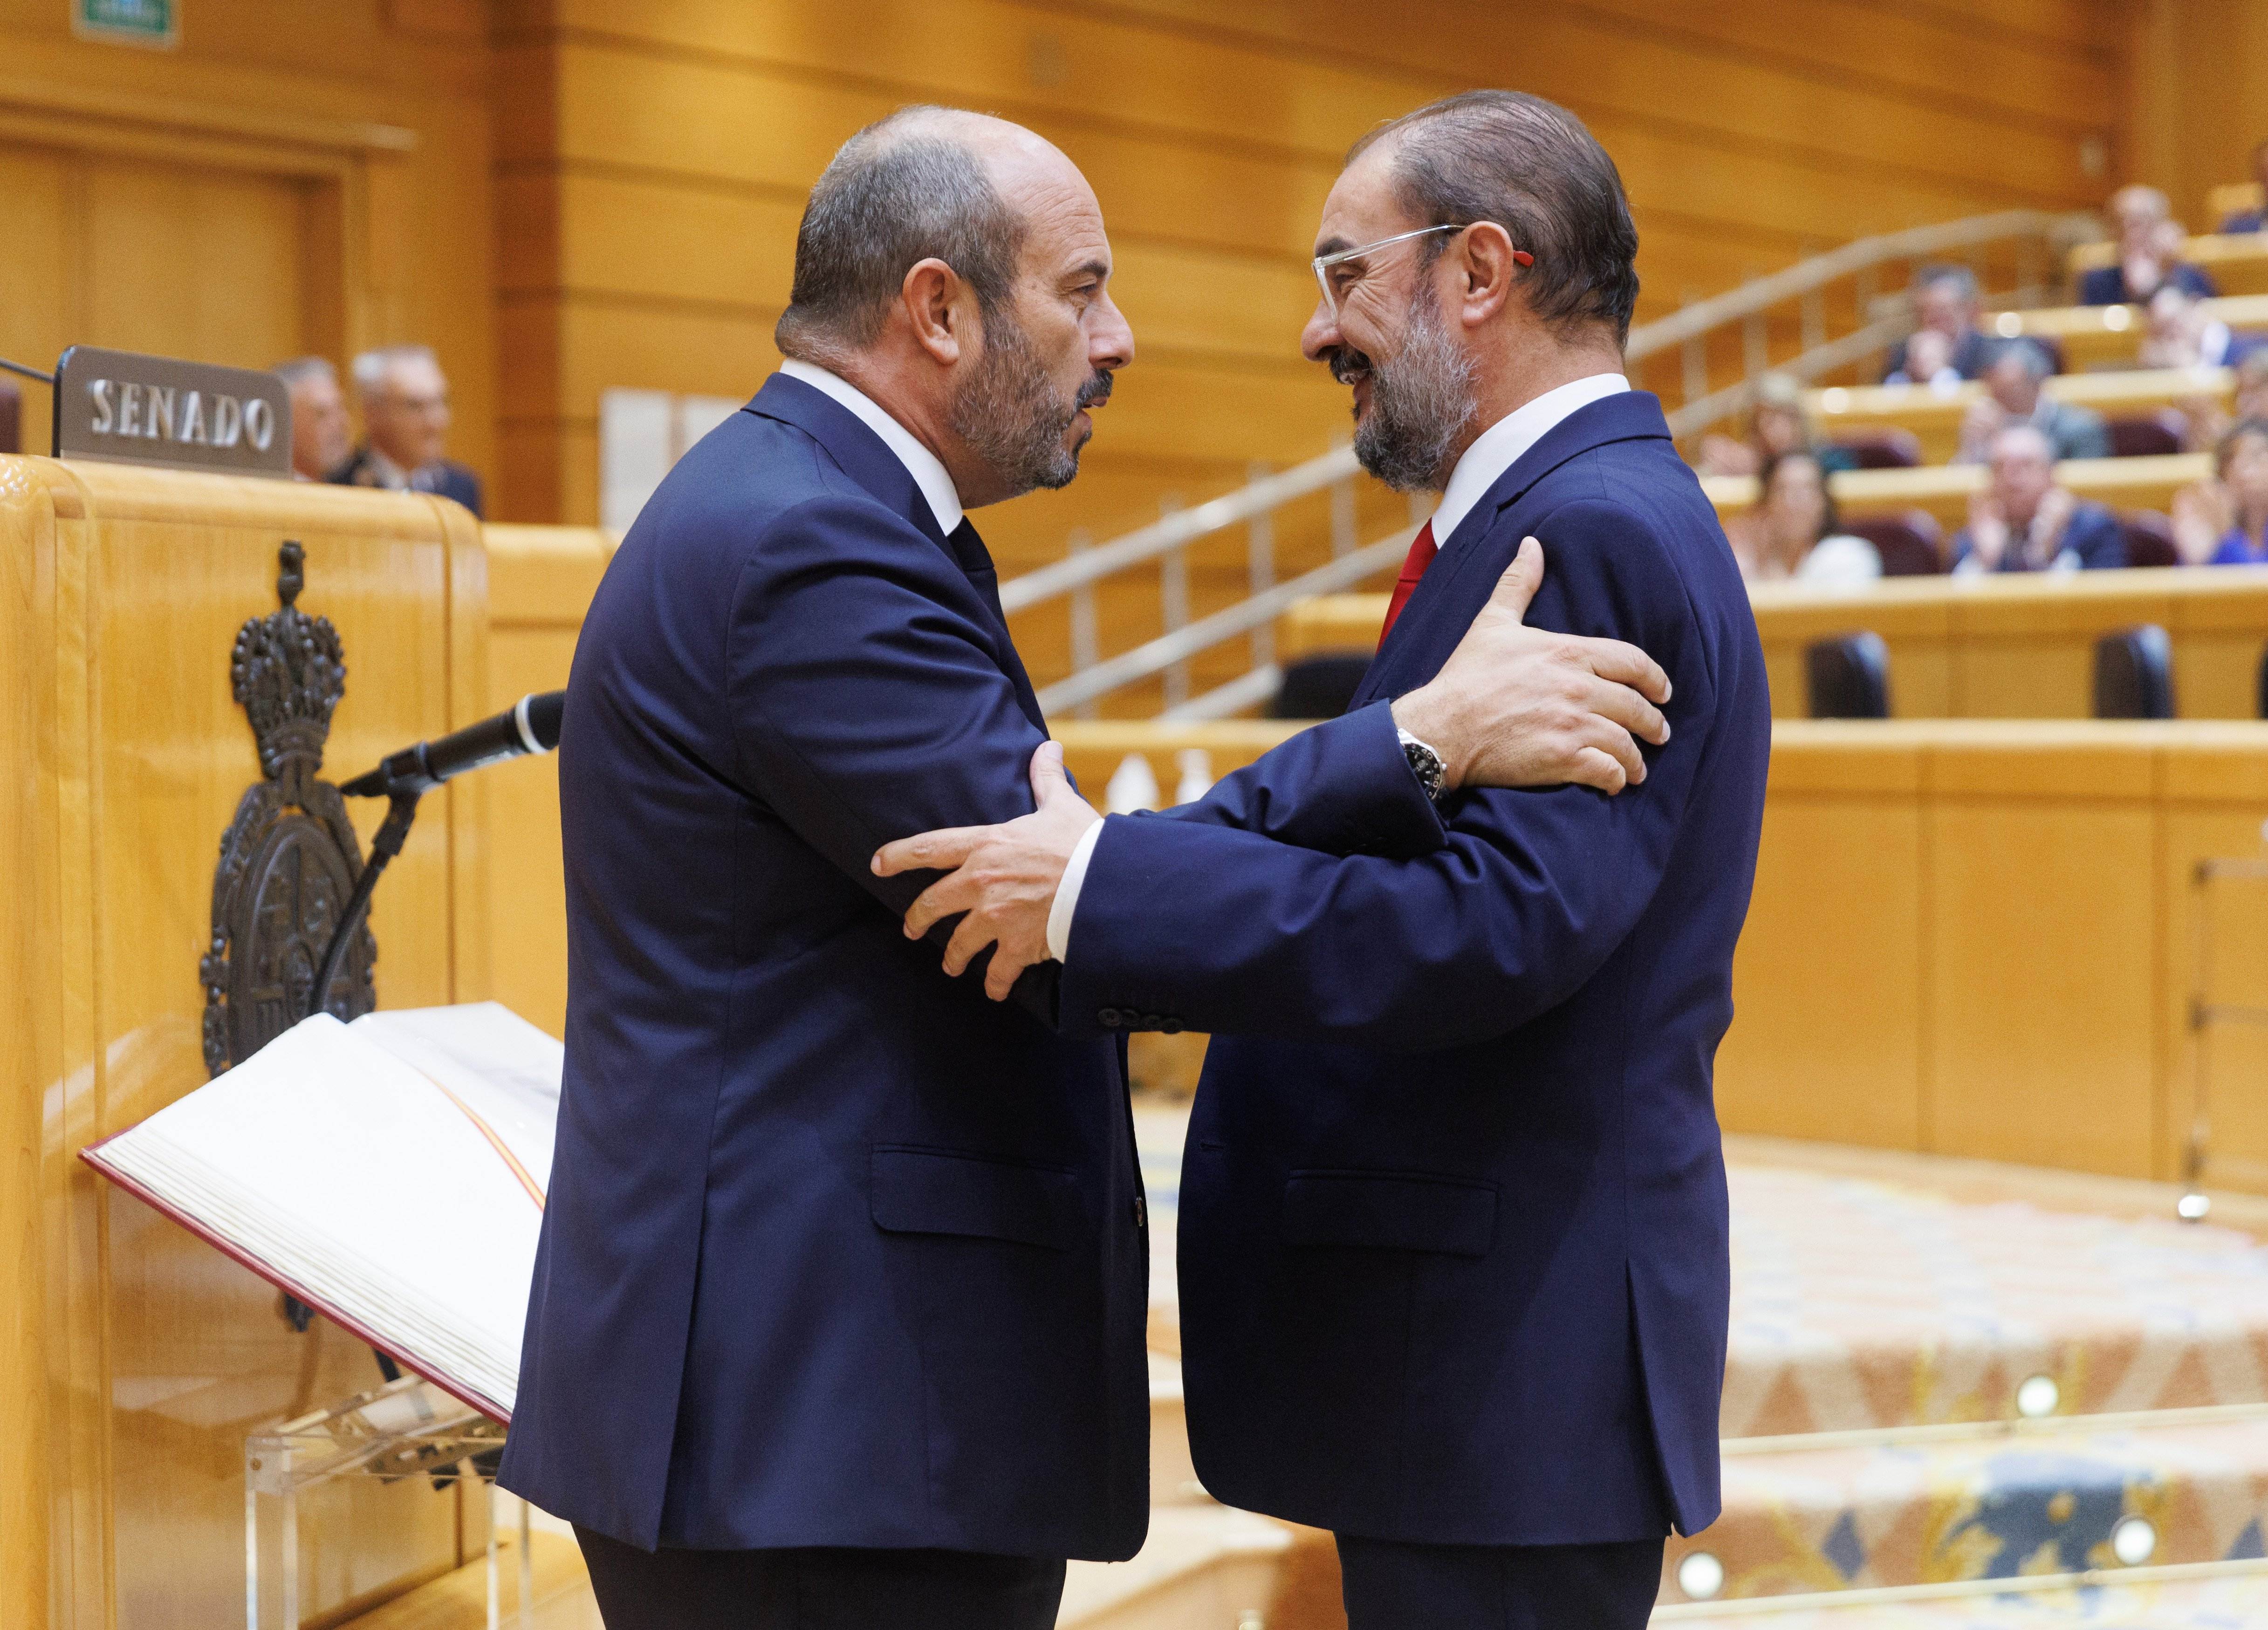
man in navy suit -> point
(1453, 1240)
(839, 1306)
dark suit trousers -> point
(818, 1588)
(1391, 1585)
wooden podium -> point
(134, 1359)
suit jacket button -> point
(1109, 1018)
(1151, 1021)
(1171, 1026)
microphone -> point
(529, 725)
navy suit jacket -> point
(836, 1251)
(1452, 1236)
(2093, 534)
(2106, 285)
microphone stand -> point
(384, 843)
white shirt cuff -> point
(1067, 901)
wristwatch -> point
(1424, 764)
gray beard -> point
(1421, 403)
(1010, 417)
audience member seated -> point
(2252, 386)
(2013, 396)
(1792, 531)
(1777, 424)
(2022, 520)
(2254, 219)
(2224, 521)
(1949, 346)
(2149, 253)
(320, 441)
(405, 415)
(2183, 332)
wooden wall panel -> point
(377, 126)
(652, 162)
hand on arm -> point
(1513, 706)
(1521, 706)
(1004, 877)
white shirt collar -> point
(1498, 447)
(923, 465)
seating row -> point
(1999, 648)
(2237, 262)
(1932, 415)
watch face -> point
(1426, 766)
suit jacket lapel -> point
(867, 459)
(1623, 417)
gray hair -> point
(301, 368)
(2037, 364)
(372, 367)
(888, 200)
(1536, 170)
(1945, 271)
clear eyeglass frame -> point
(1325, 262)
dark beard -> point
(1421, 402)
(1010, 417)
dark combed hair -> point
(890, 198)
(1533, 168)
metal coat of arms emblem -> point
(290, 859)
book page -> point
(407, 1195)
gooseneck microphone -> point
(529, 725)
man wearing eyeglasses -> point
(1452, 1237)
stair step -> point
(1930, 1508)
(2155, 1600)
(1204, 1566)
(1860, 1304)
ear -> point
(1491, 265)
(936, 305)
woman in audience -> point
(1777, 424)
(2224, 521)
(1794, 531)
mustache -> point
(1095, 391)
(1348, 364)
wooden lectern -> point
(133, 1358)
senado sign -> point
(129, 408)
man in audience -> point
(320, 438)
(2183, 332)
(1453, 1224)
(1945, 304)
(405, 415)
(2024, 521)
(2255, 218)
(2015, 396)
(839, 1300)
(2150, 247)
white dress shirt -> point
(923, 465)
(1494, 451)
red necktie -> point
(1422, 551)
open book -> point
(389, 1173)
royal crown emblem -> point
(290, 859)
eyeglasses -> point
(1336, 291)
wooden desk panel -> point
(2002, 648)
(2104, 336)
(540, 581)
(2237, 264)
(155, 1354)
(1934, 415)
